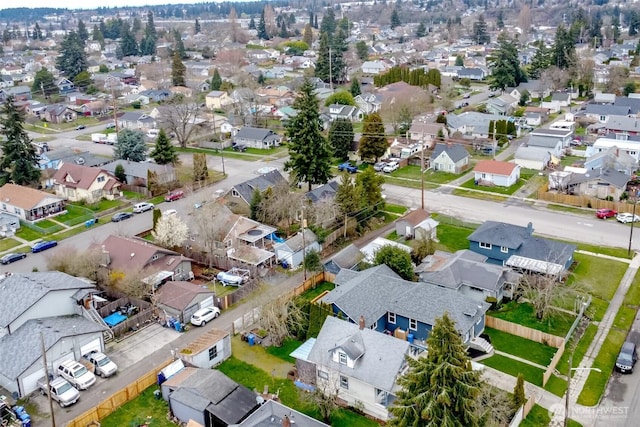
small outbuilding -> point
(208, 350)
(294, 249)
(180, 299)
(417, 224)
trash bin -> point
(157, 394)
(410, 338)
(251, 339)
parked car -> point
(347, 166)
(143, 207)
(466, 96)
(77, 374)
(60, 390)
(238, 147)
(626, 217)
(121, 216)
(627, 358)
(12, 257)
(43, 246)
(111, 125)
(100, 364)
(606, 213)
(390, 167)
(204, 315)
(233, 277)
(379, 166)
(172, 196)
(80, 127)
(170, 212)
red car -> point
(173, 196)
(606, 213)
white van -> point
(153, 133)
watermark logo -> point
(600, 412)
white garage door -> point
(91, 346)
(207, 302)
(30, 382)
(57, 362)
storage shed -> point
(181, 299)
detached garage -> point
(181, 299)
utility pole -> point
(304, 247)
(46, 375)
(422, 173)
(330, 70)
(115, 113)
(42, 88)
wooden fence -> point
(583, 201)
(524, 332)
(119, 398)
(522, 413)
(552, 365)
(137, 189)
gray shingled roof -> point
(632, 103)
(543, 141)
(19, 292)
(22, 348)
(262, 182)
(257, 134)
(377, 291)
(271, 414)
(326, 191)
(532, 153)
(607, 110)
(456, 152)
(137, 169)
(501, 234)
(383, 358)
(611, 176)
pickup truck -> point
(61, 391)
(99, 364)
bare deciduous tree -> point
(280, 205)
(324, 212)
(210, 230)
(181, 116)
(546, 293)
(494, 406)
(80, 264)
(279, 316)
(554, 78)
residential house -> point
(19, 93)
(53, 159)
(533, 118)
(363, 365)
(471, 124)
(93, 108)
(134, 120)
(562, 98)
(625, 143)
(180, 299)
(83, 183)
(564, 135)
(156, 95)
(469, 273)
(537, 89)
(240, 195)
(427, 132)
(552, 145)
(257, 138)
(65, 86)
(373, 67)
(601, 113)
(613, 158)
(274, 414)
(324, 192)
(43, 309)
(9, 224)
(279, 96)
(344, 112)
(536, 158)
(28, 203)
(622, 125)
(495, 172)
(133, 255)
(391, 304)
(134, 98)
(137, 172)
(502, 105)
(475, 74)
(417, 224)
(368, 102)
(451, 158)
(293, 250)
(605, 184)
(217, 99)
(208, 350)
(516, 247)
(208, 397)
(59, 113)
(347, 258)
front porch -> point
(45, 211)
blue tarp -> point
(273, 236)
(115, 318)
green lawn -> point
(320, 288)
(556, 385)
(105, 204)
(396, 209)
(441, 177)
(521, 347)
(579, 351)
(28, 234)
(8, 243)
(633, 294)
(524, 314)
(75, 215)
(254, 378)
(453, 237)
(495, 189)
(537, 417)
(408, 183)
(570, 160)
(283, 352)
(599, 276)
(407, 172)
(514, 368)
(143, 410)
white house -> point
(536, 158)
(629, 145)
(373, 67)
(495, 172)
(452, 158)
(295, 249)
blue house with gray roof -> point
(516, 247)
(242, 193)
(392, 305)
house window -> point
(227, 243)
(344, 382)
(504, 249)
(323, 374)
(234, 193)
(484, 245)
(413, 324)
(342, 357)
(374, 326)
(391, 318)
(483, 176)
(101, 179)
(155, 257)
(213, 352)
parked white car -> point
(390, 167)
(143, 207)
(170, 212)
(77, 374)
(626, 217)
(204, 315)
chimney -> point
(361, 323)
(530, 228)
(286, 422)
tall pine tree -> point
(19, 162)
(148, 42)
(178, 70)
(310, 155)
(373, 143)
(216, 80)
(262, 27)
(164, 152)
(341, 137)
(439, 389)
(72, 59)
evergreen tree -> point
(37, 32)
(519, 398)
(179, 44)
(72, 59)
(540, 62)
(178, 70)
(328, 24)
(44, 81)
(254, 206)
(505, 65)
(439, 389)
(373, 143)
(398, 260)
(322, 64)
(164, 152)
(283, 29)
(98, 36)
(120, 174)
(128, 43)
(500, 20)
(130, 146)
(421, 31)
(480, 34)
(83, 34)
(196, 27)
(563, 50)
(216, 80)
(307, 36)
(310, 155)
(395, 19)
(83, 80)
(355, 87)
(252, 24)
(347, 196)
(262, 27)
(362, 50)
(315, 21)
(148, 42)
(341, 137)
(369, 186)
(18, 161)
(136, 26)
